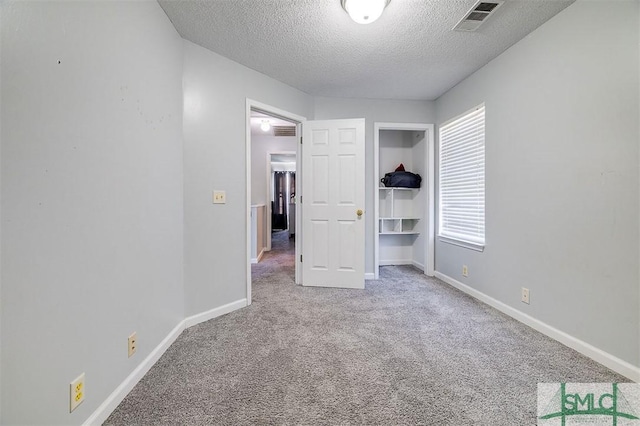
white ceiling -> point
(313, 45)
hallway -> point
(276, 265)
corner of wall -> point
(608, 360)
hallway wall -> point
(260, 146)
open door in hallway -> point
(333, 203)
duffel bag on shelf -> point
(401, 179)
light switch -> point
(219, 197)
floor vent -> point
(477, 15)
(284, 130)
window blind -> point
(461, 188)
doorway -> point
(272, 146)
(281, 181)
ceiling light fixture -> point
(364, 11)
(265, 126)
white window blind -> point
(462, 179)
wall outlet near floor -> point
(76, 392)
(219, 197)
(465, 271)
(525, 295)
(133, 343)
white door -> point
(333, 203)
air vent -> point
(284, 130)
(477, 15)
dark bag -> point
(402, 180)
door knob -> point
(359, 212)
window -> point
(461, 189)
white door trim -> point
(299, 212)
(259, 106)
(429, 267)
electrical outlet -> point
(76, 392)
(133, 343)
(465, 271)
(525, 295)
(219, 197)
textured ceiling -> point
(313, 45)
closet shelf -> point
(399, 218)
(398, 226)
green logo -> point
(563, 404)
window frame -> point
(455, 240)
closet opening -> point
(404, 216)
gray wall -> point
(373, 110)
(215, 91)
(260, 145)
(91, 199)
(561, 175)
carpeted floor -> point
(406, 350)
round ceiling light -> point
(265, 126)
(364, 11)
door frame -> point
(252, 104)
(269, 181)
(429, 267)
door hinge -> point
(301, 199)
(300, 258)
(300, 140)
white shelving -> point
(395, 212)
(392, 226)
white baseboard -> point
(369, 276)
(111, 403)
(213, 313)
(418, 265)
(106, 408)
(257, 259)
(614, 363)
(395, 262)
